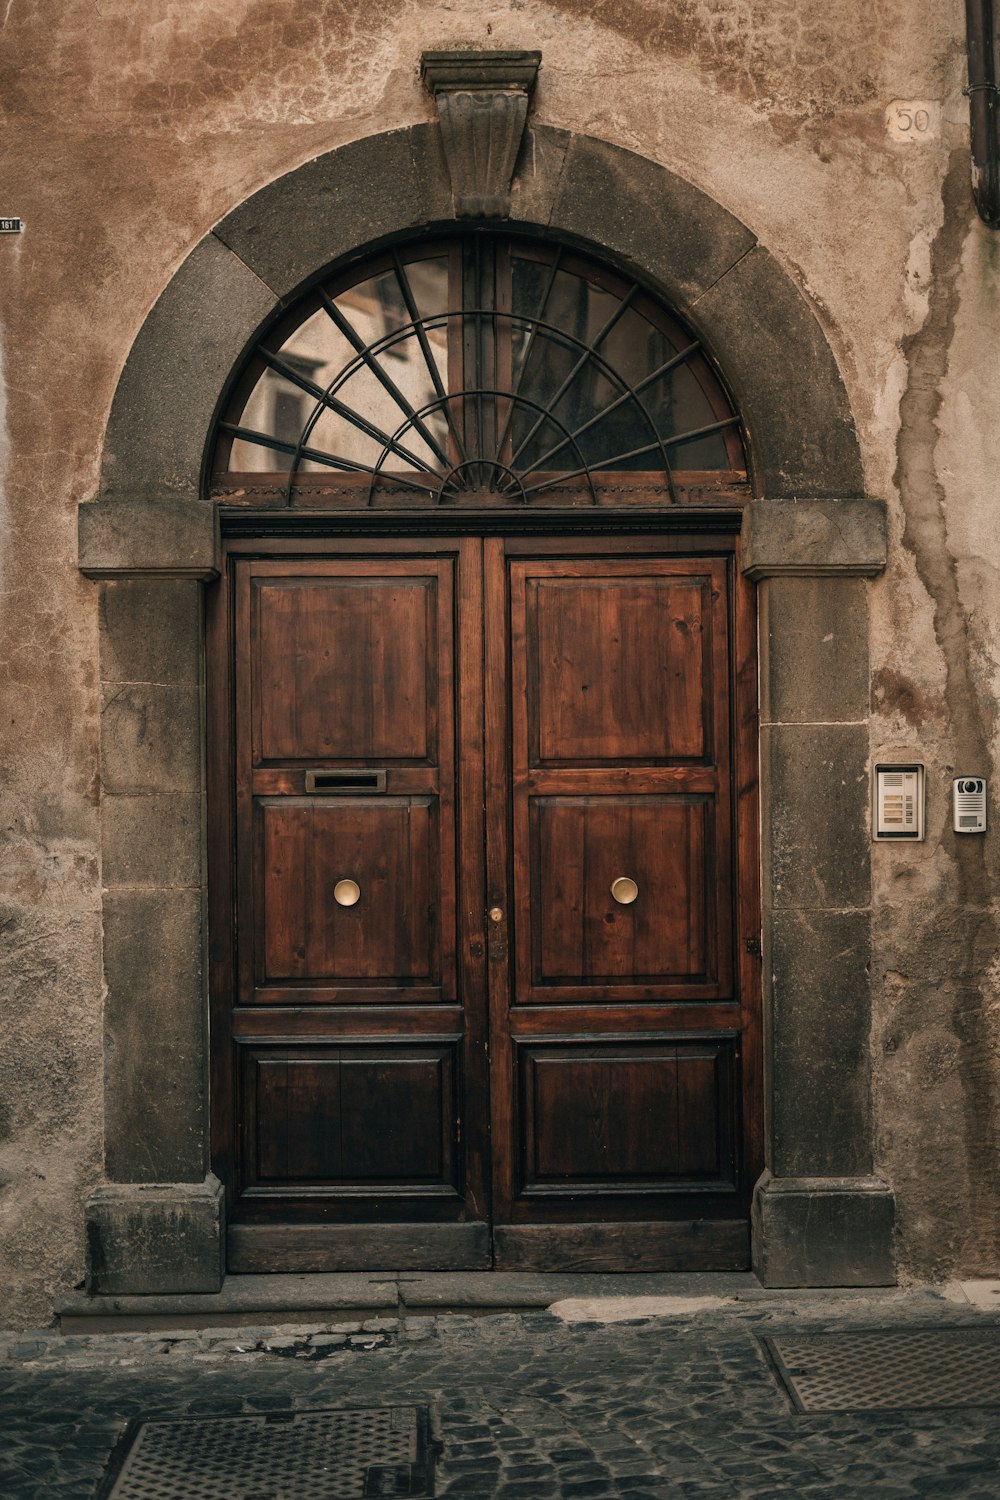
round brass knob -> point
(347, 893)
(496, 914)
(624, 890)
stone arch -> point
(689, 248)
(821, 1215)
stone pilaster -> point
(820, 1216)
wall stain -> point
(894, 693)
(785, 59)
(971, 934)
(228, 61)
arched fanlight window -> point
(478, 369)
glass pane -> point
(428, 282)
(361, 386)
(586, 398)
(277, 409)
(678, 404)
(675, 401)
(573, 306)
(404, 402)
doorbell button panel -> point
(898, 811)
(969, 804)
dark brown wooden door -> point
(619, 1062)
(358, 1033)
(489, 1001)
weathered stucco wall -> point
(127, 133)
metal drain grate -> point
(342, 1454)
(889, 1369)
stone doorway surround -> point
(810, 540)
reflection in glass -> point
(364, 382)
(553, 373)
(594, 367)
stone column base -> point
(823, 1231)
(161, 1237)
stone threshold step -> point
(312, 1298)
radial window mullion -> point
(479, 369)
(347, 328)
(313, 455)
(588, 352)
(699, 432)
(444, 394)
(505, 452)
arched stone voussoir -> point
(177, 369)
(647, 217)
(644, 215)
(756, 323)
(339, 203)
(785, 381)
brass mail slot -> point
(345, 781)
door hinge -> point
(753, 947)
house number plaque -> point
(913, 121)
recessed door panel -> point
(350, 1119)
(616, 669)
(345, 669)
(619, 775)
(347, 753)
(623, 1117)
(350, 892)
(622, 891)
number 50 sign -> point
(913, 120)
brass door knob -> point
(496, 913)
(347, 893)
(624, 890)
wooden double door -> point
(484, 973)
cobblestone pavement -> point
(529, 1405)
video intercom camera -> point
(969, 804)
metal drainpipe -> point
(982, 92)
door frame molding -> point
(670, 1245)
(822, 1214)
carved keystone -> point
(482, 100)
